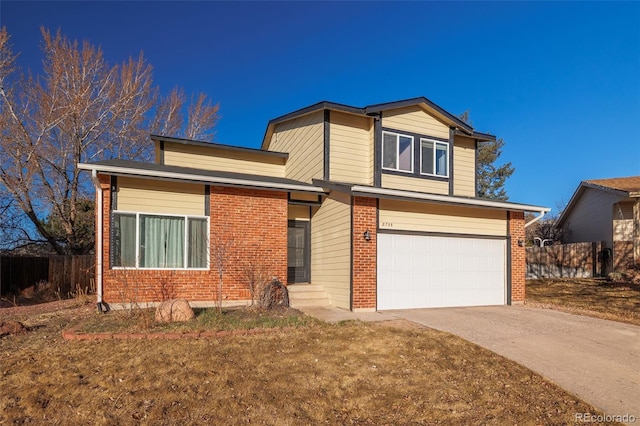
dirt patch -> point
(11, 328)
(351, 373)
(401, 324)
(598, 298)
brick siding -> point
(364, 254)
(254, 221)
(518, 257)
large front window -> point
(152, 241)
(434, 158)
(397, 152)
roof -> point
(625, 187)
(629, 184)
(188, 174)
(401, 194)
(375, 109)
(161, 138)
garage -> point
(423, 271)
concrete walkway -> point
(597, 360)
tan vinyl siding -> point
(211, 158)
(331, 249)
(298, 212)
(351, 149)
(464, 167)
(303, 139)
(414, 119)
(156, 196)
(410, 216)
(415, 184)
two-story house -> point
(375, 205)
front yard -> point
(599, 298)
(313, 373)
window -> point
(434, 158)
(397, 152)
(142, 240)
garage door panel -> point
(416, 271)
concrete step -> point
(307, 295)
(308, 302)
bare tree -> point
(221, 255)
(170, 120)
(255, 271)
(79, 109)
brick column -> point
(364, 254)
(518, 257)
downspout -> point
(537, 218)
(96, 183)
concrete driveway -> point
(595, 359)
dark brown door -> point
(298, 252)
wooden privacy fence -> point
(575, 260)
(64, 272)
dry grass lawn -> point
(350, 373)
(599, 298)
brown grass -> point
(349, 373)
(142, 320)
(598, 298)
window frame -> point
(434, 150)
(412, 151)
(185, 256)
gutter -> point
(537, 218)
(198, 178)
(99, 247)
(446, 199)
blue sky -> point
(559, 81)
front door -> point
(298, 253)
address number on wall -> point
(387, 224)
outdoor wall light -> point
(367, 235)
(520, 243)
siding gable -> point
(415, 120)
(303, 139)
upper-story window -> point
(397, 152)
(434, 158)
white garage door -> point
(416, 271)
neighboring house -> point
(606, 210)
(376, 205)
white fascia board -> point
(198, 178)
(474, 202)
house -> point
(375, 205)
(606, 210)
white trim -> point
(398, 193)
(398, 135)
(99, 237)
(186, 247)
(435, 143)
(197, 178)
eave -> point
(190, 175)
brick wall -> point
(518, 256)
(364, 254)
(252, 223)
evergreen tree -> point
(490, 177)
